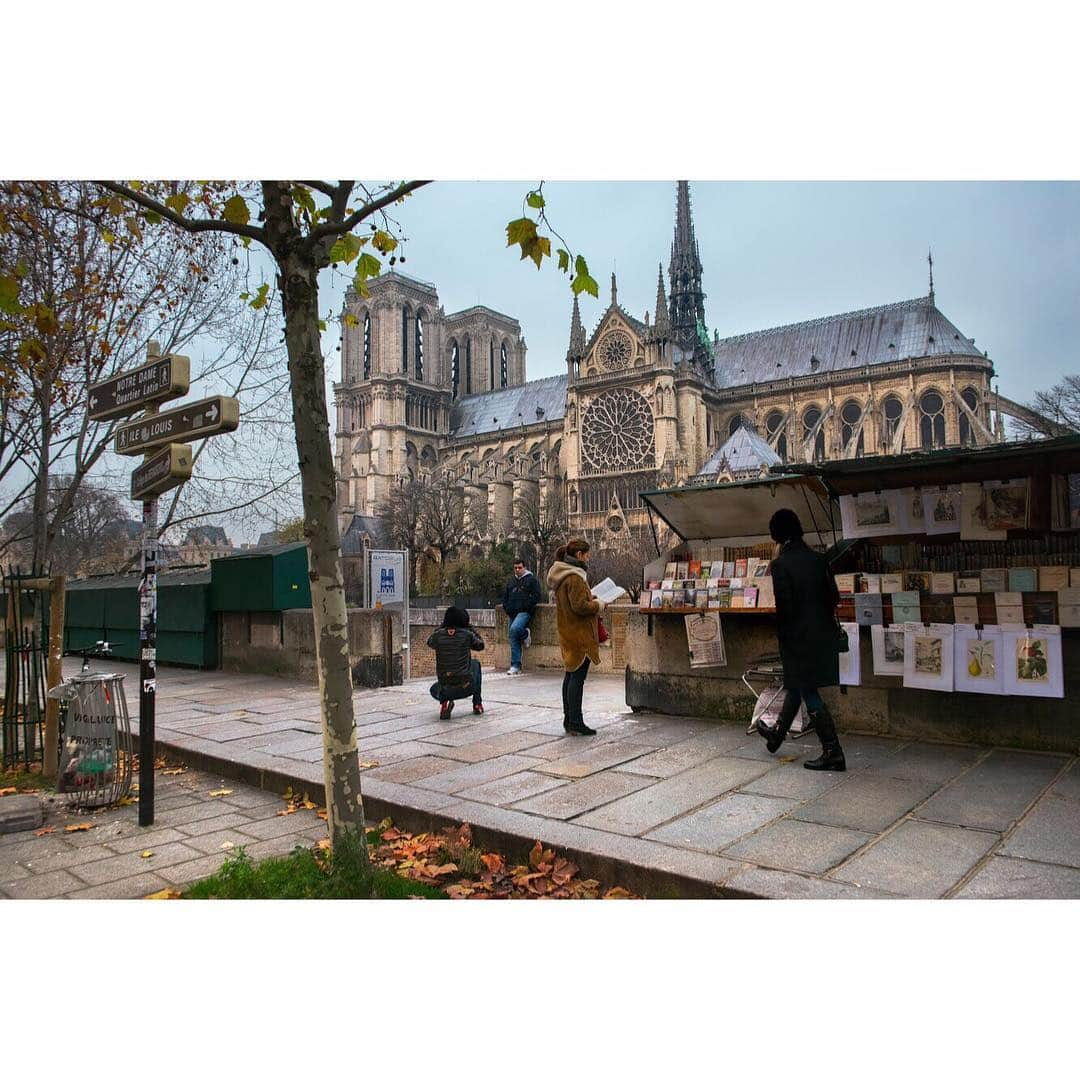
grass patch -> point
(304, 875)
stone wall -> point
(283, 643)
(658, 677)
(424, 620)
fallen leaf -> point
(287, 810)
(82, 827)
(321, 814)
(146, 854)
(323, 845)
(173, 772)
(494, 862)
(788, 758)
(618, 893)
(127, 800)
(368, 764)
(8, 790)
(439, 871)
(536, 856)
(393, 834)
(219, 793)
(163, 894)
(226, 845)
(459, 892)
(308, 804)
(288, 796)
(44, 832)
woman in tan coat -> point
(576, 613)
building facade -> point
(643, 402)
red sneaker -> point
(446, 709)
(478, 707)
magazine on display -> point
(871, 513)
(1069, 607)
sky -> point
(1006, 258)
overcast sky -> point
(1006, 258)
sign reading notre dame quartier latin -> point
(165, 470)
(163, 378)
(211, 416)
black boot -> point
(832, 757)
(774, 736)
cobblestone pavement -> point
(687, 797)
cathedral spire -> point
(662, 322)
(614, 291)
(577, 335)
(930, 260)
(687, 303)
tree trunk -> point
(341, 767)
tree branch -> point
(320, 232)
(192, 225)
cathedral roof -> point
(906, 330)
(744, 452)
(481, 414)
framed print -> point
(910, 514)
(1032, 662)
(850, 664)
(973, 524)
(928, 657)
(1006, 503)
(870, 513)
(978, 660)
(941, 510)
(887, 644)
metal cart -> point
(769, 670)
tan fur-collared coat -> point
(576, 612)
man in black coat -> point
(806, 599)
(520, 598)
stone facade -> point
(643, 403)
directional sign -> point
(167, 469)
(211, 416)
(164, 378)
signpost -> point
(164, 440)
(388, 583)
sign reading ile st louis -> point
(200, 419)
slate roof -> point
(905, 330)
(351, 538)
(206, 534)
(745, 452)
(481, 414)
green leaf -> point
(303, 197)
(535, 200)
(581, 266)
(178, 202)
(152, 217)
(235, 210)
(520, 230)
(584, 283)
(108, 237)
(9, 295)
(132, 224)
(345, 249)
(322, 326)
(351, 320)
(564, 260)
(383, 242)
(367, 266)
(261, 297)
(536, 248)
(115, 206)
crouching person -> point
(458, 673)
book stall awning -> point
(739, 511)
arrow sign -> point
(198, 420)
(164, 378)
(165, 470)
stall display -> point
(977, 666)
(928, 657)
(705, 638)
(1032, 662)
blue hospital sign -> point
(388, 577)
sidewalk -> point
(683, 806)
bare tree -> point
(1059, 407)
(443, 520)
(542, 522)
(623, 561)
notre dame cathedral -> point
(644, 403)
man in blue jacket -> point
(519, 601)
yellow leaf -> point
(45, 831)
(222, 791)
(8, 790)
(83, 827)
(618, 893)
(173, 772)
(145, 854)
(226, 845)
(288, 796)
(163, 894)
(308, 804)
(369, 765)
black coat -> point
(806, 599)
(453, 654)
(521, 594)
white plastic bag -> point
(767, 710)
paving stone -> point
(388, 755)
(394, 724)
(315, 754)
(12, 872)
(63, 858)
(132, 864)
(994, 793)
(408, 735)
(173, 802)
(928, 761)
(653, 805)
(1049, 833)
(275, 847)
(415, 798)
(128, 888)
(480, 772)
(181, 875)
(146, 838)
(227, 731)
(206, 809)
(513, 788)
(43, 886)
(450, 734)
(784, 885)
(918, 859)
(799, 845)
(364, 718)
(214, 824)
(789, 780)
(563, 744)
(679, 757)
(867, 801)
(721, 823)
(211, 842)
(1068, 787)
(277, 826)
(417, 768)
(19, 813)
(576, 798)
(1017, 879)
(591, 759)
(246, 798)
(510, 743)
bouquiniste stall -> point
(959, 573)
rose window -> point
(616, 350)
(617, 432)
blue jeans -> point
(452, 693)
(519, 624)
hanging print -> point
(1033, 662)
(978, 667)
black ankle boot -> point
(832, 756)
(774, 736)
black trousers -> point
(573, 685)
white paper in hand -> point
(608, 591)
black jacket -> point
(453, 654)
(806, 599)
(522, 594)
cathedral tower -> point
(687, 309)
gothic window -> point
(455, 369)
(468, 366)
(405, 340)
(491, 364)
(503, 366)
(809, 420)
(850, 415)
(967, 432)
(615, 350)
(931, 420)
(891, 411)
(367, 345)
(774, 422)
(418, 350)
(617, 432)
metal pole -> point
(54, 676)
(147, 661)
(408, 625)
